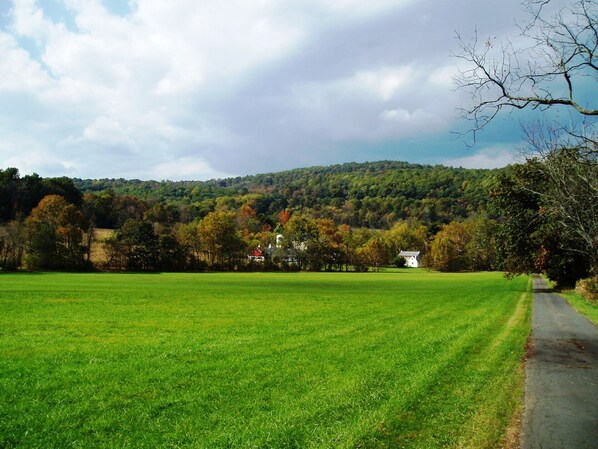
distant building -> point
(412, 259)
(279, 240)
(277, 253)
(256, 255)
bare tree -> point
(553, 63)
(569, 165)
(552, 58)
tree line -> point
(373, 195)
(541, 215)
(513, 232)
(49, 224)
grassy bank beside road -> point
(305, 360)
(582, 305)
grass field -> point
(325, 360)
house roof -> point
(409, 253)
(256, 253)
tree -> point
(448, 251)
(187, 236)
(12, 245)
(407, 236)
(103, 208)
(139, 245)
(348, 248)
(219, 238)
(481, 248)
(283, 217)
(375, 252)
(247, 219)
(129, 207)
(555, 69)
(570, 195)
(558, 57)
(159, 213)
(54, 232)
(9, 181)
(64, 187)
(173, 256)
(300, 235)
(327, 251)
(353, 240)
(529, 239)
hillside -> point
(372, 194)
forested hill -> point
(372, 194)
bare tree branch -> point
(562, 52)
(569, 165)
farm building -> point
(256, 255)
(412, 258)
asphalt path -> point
(561, 388)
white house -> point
(412, 258)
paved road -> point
(561, 390)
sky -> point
(202, 89)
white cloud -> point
(404, 116)
(491, 157)
(385, 83)
(397, 115)
(381, 84)
(23, 155)
(186, 168)
(374, 105)
(444, 76)
(187, 88)
(18, 72)
(103, 131)
(29, 20)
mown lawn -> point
(325, 360)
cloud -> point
(491, 157)
(384, 83)
(104, 131)
(19, 71)
(186, 168)
(187, 88)
(444, 75)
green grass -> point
(407, 359)
(582, 305)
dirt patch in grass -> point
(512, 438)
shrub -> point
(588, 288)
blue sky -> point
(188, 89)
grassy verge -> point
(328, 360)
(582, 305)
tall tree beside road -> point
(553, 66)
(529, 238)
